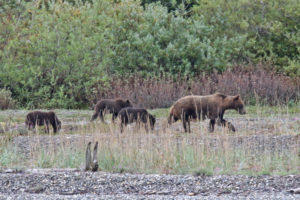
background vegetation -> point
(64, 54)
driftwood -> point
(88, 157)
(94, 164)
(91, 162)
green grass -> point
(71, 115)
(10, 158)
(269, 110)
(251, 110)
(160, 112)
(63, 158)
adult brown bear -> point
(42, 118)
(212, 107)
(138, 115)
(112, 106)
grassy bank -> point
(165, 150)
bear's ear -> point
(236, 97)
(127, 101)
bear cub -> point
(139, 115)
(43, 118)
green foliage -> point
(156, 41)
(271, 27)
(58, 53)
(172, 5)
(54, 59)
(293, 69)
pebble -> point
(73, 184)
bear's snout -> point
(242, 111)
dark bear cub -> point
(139, 115)
(109, 105)
(43, 118)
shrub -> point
(62, 53)
(254, 84)
(6, 101)
(271, 28)
(57, 56)
(54, 59)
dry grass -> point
(166, 149)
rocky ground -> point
(74, 184)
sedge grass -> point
(164, 150)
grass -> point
(143, 155)
(166, 150)
(251, 110)
(71, 115)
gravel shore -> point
(74, 184)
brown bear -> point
(112, 106)
(212, 107)
(138, 115)
(43, 118)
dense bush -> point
(270, 26)
(54, 59)
(62, 53)
(155, 41)
(173, 5)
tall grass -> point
(165, 150)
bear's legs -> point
(31, 126)
(122, 127)
(54, 127)
(184, 120)
(101, 116)
(114, 116)
(124, 122)
(189, 124)
(138, 124)
(46, 126)
(146, 127)
(184, 125)
(212, 123)
(149, 122)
